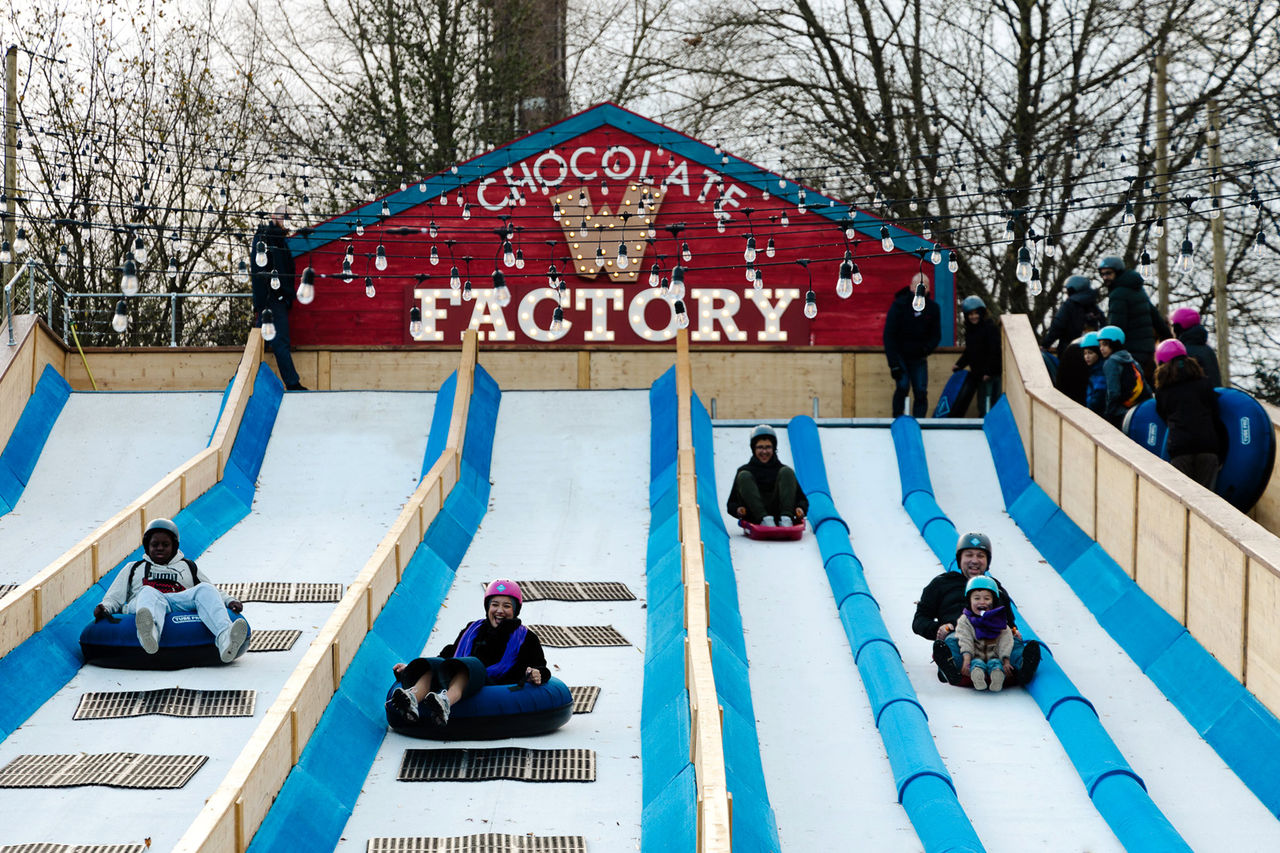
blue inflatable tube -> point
(497, 711)
(184, 642)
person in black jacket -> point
(764, 487)
(1191, 332)
(497, 649)
(1129, 308)
(272, 270)
(912, 330)
(981, 355)
(943, 600)
(1185, 399)
(1079, 314)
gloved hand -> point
(100, 613)
(235, 606)
(896, 373)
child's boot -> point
(978, 675)
(996, 678)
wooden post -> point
(10, 155)
(1162, 182)
(1220, 322)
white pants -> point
(203, 598)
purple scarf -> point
(509, 656)
(989, 625)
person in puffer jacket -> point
(167, 581)
(1129, 308)
(1193, 335)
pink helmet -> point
(502, 586)
(1169, 350)
(1185, 318)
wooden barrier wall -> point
(1208, 565)
(707, 738)
(30, 606)
(21, 366)
(1267, 510)
(237, 808)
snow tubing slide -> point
(184, 642)
(1251, 444)
(497, 711)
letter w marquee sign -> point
(600, 216)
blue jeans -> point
(1015, 656)
(280, 343)
(915, 375)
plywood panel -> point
(516, 370)
(848, 385)
(383, 582)
(63, 586)
(118, 537)
(162, 500)
(391, 370)
(155, 370)
(201, 474)
(317, 686)
(1117, 515)
(274, 760)
(15, 382)
(872, 386)
(629, 369)
(1045, 440)
(1262, 663)
(17, 620)
(1216, 594)
(1078, 477)
(1162, 542)
(793, 380)
(49, 350)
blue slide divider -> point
(1117, 792)
(40, 666)
(924, 786)
(22, 450)
(1241, 729)
(320, 792)
(669, 797)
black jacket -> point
(1190, 409)
(278, 259)
(910, 335)
(766, 477)
(942, 602)
(1069, 322)
(491, 643)
(1196, 340)
(981, 347)
(1129, 308)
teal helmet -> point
(981, 582)
(972, 303)
(1090, 339)
(1114, 334)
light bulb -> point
(917, 302)
(553, 274)
(415, 322)
(810, 304)
(433, 230)
(1186, 256)
(750, 272)
(557, 320)
(1144, 264)
(555, 212)
(1260, 245)
(1215, 209)
(368, 287)
(582, 198)
(682, 316)
(120, 320)
(129, 278)
(770, 249)
(784, 220)
(386, 209)
(621, 260)
(1009, 231)
(562, 290)
(306, 286)
(856, 275)
(173, 269)
(243, 270)
(1157, 230)
(685, 253)
(275, 280)
(1023, 269)
(1050, 246)
(467, 295)
(346, 269)
(886, 242)
(139, 250)
(844, 284)
(600, 258)
(435, 256)
(508, 254)
(466, 211)
(935, 256)
(953, 263)
(359, 228)
(519, 259)
(749, 254)
(260, 254)
(64, 257)
(582, 229)
(654, 273)
(501, 293)
(380, 258)
(268, 325)
(758, 284)
(1035, 287)
(664, 286)
(20, 242)
(1128, 220)
(455, 280)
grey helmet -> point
(160, 524)
(972, 303)
(974, 539)
(1078, 284)
(1111, 262)
(764, 431)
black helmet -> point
(764, 431)
(973, 539)
(1111, 263)
(1078, 283)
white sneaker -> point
(996, 679)
(403, 700)
(978, 676)
(230, 645)
(148, 631)
(784, 521)
(438, 707)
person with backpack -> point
(1185, 399)
(1126, 387)
(167, 581)
(1130, 309)
(981, 355)
(1188, 329)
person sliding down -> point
(497, 649)
(167, 581)
(764, 487)
(986, 640)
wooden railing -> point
(714, 807)
(29, 607)
(237, 808)
(1208, 565)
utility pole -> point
(1220, 322)
(1162, 183)
(10, 155)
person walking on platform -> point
(981, 356)
(1129, 308)
(912, 330)
(272, 271)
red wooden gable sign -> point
(600, 216)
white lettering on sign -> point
(679, 177)
(551, 157)
(731, 194)
(428, 302)
(573, 162)
(614, 174)
(772, 311)
(487, 312)
(601, 298)
(636, 313)
(710, 313)
(486, 203)
(526, 321)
